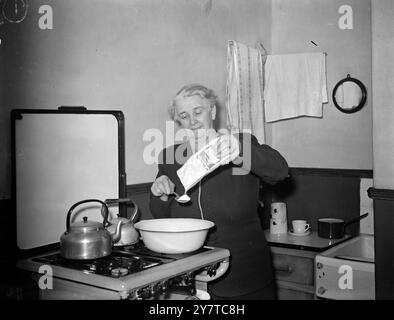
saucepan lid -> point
(341, 221)
(331, 220)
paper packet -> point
(203, 163)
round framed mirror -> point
(349, 95)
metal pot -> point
(128, 234)
(84, 240)
(333, 228)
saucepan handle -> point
(355, 219)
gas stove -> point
(130, 272)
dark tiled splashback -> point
(140, 193)
(312, 193)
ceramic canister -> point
(278, 211)
(278, 226)
(278, 221)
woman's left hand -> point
(228, 148)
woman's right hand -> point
(162, 187)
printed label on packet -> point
(202, 163)
(208, 158)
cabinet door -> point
(294, 273)
(288, 294)
(294, 269)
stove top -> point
(116, 265)
(122, 261)
(130, 271)
(141, 250)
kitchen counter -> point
(311, 242)
(293, 259)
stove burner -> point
(118, 272)
(116, 265)
(121, 262)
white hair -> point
(191, 90)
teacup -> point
(300, 226)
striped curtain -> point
(245, 89)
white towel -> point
(295, 85)
(245, 90)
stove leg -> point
(201, 285)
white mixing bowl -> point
(174, 235)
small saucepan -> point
(333, 228)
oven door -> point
(62, 289)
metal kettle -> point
(84, 240)
(128, 234)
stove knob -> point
(115, 272)
(212, 270)
(143, 293)
(188, 278)
(163, 286)
(154, 289)
(321, 290)
(123, 271)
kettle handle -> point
(84, 201)
(126, 201)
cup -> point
(300, 226)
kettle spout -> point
(117, 234)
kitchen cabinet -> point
(293, 259)
(294, 273)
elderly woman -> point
(228, 199)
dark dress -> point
(231, 202)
